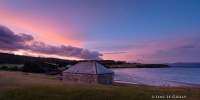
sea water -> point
(171, 76)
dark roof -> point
(90, 67)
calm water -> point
(158, 76)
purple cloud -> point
(13, 42)
(63, 50)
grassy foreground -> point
(23, 86)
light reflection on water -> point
(158, 76)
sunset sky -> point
(148, 31)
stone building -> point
(88, 72)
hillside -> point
(56, 66)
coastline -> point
(175, 84)
(138, 65)
(170, 77)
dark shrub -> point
(14, 68)
(4, 68)
(39, 67)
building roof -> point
(90, 67)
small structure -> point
(88, 72)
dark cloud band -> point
(13, 42)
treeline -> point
(6, 58)
(41, 65)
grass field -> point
(23, 86)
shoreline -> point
(161, 77)
(175, 84)
(139, 66)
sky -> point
(146, 31)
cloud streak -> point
(177, 49)
(14, 42)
